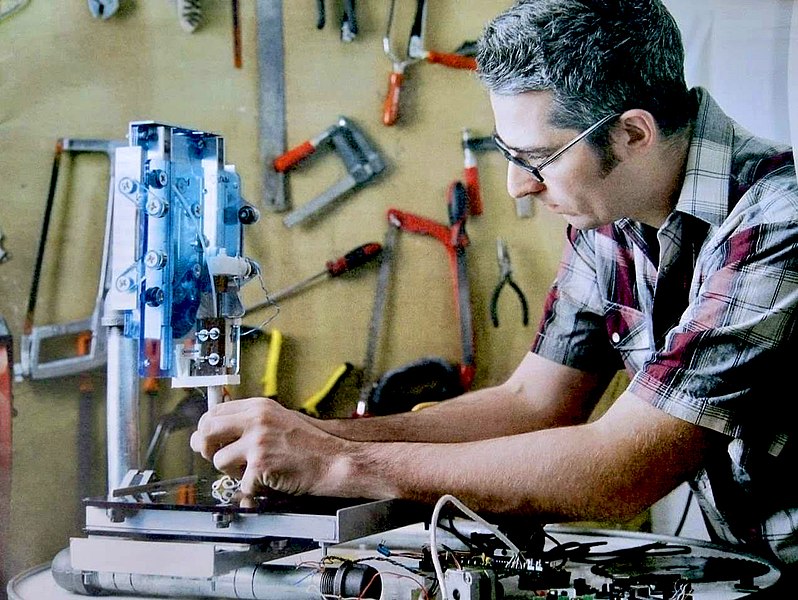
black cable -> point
(685, 512)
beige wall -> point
(64, 74)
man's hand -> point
(269, 446)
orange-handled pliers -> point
(415, 52)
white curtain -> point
(742, 51)
(745, 52)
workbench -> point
(398, 584)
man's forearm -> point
(597, 471)
(487, 413)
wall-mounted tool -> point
(189, 14)
(271, 100)
(368, 380)
(472, 146)
(506, 279)
(360, 157)
(455, 239)
(349, 27)
(471, 175)
(9, 7)
(4, 254)
(429, 378)
(311, 406)
(416, 51)
(237, 61)
(103, 9)
(33, 336)
(336, 267)
(6, 446)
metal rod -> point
(122, 422)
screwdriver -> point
(353, 259)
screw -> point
(124, 283)
(127, 185)
(155, 208)
(155, 259)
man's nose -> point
(521, 183)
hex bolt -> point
(222, 520)
(202, 335)
(213, 359)
(214, 333)
(154, 296)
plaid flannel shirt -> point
(702, 315)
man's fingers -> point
(251, 482)
(231, 459)
(237, 406)
(213, 432)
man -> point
(680, 268)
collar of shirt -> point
(705, 190)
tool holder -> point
(360, 157)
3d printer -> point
(173, 310)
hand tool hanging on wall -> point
(471, 146)
(429, 378)
(416, 51)
(189, 14)
(103, 9)
(506, 279)
(455, 240)
(33, 337)
(271, 96)
(361, 160)
(6, 446)
(349, 262)
(368, 380)
(9, 7)
(237, 62)
(4, 254)
(349, 28)
(471, 175)
(311, 406)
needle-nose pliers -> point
(506, 278)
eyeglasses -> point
(534, 170)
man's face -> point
(573, 185)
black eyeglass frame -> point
(534, 170)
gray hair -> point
(597, 57)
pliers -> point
(506, 278)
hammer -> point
(360, 157)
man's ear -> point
(636, 132)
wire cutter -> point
(506, 278)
